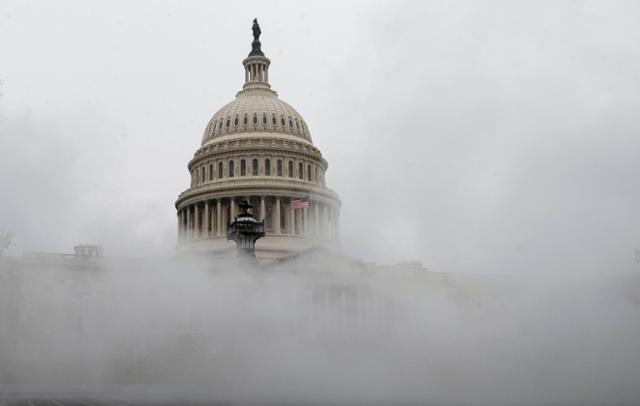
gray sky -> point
(477, 137)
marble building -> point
(259, 148)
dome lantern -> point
(256, 65)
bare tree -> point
(6, 240)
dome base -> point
(272, 246)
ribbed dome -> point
(256, 110)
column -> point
(263, 209)
(184, 224)
(188, 229)
(183, 227)
(225, 219)
(292, 219)
(325, 221)
(305, 221)
(179, 225)
(276, 217)
(196, 217)
(316, 219)
(327, 225)
(219, 216)
(232, 206)
(205, 229)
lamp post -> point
(245, 230)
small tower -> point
(245, 231)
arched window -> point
(267, 167)
(279, 167)
(290, 123)
(228, 121)
(317, 176)
(220, 170)
(210, 172)
(254, 167)
(255, 119)
(245, 120)
(273, 119)
(202, 177)
(243, 168)
(290, 169)
(297, 125)
(300, 171)
(264, 119)
(282, 121)
(235, 122)
(231, 169)
(220, 126)
(309, 173)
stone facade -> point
(258, 148)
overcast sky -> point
(472, 136)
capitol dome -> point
(256, 110)
(258, 148)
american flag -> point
(300, 203)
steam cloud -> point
(331, 332)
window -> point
(282, 121)
(235, 122)
(290, 123)
(228, 121)
(202, 176)
(279, 167)
(309, 173)
(267, 167)
(220, 170)
(291, 169)
(264, 119)
(300, 170)
(255, 119)
(254, 167)
(273, 119)
(231, 169)
(297, 125)
(220, 126)
(243, 168)
(211, 172)
(317, 177)
(245, 120)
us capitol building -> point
(258, 148)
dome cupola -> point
(256, 107)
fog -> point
(326, 332)
(495, 142)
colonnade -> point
(210, 218)
(256, 71)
